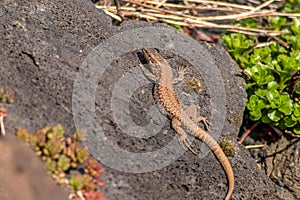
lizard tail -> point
(215, 147)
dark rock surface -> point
(43, 44)
(23, 176)
(282, 164)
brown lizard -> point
(161, 73)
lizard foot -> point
(185, 143)
(181, 70)
(205, 122)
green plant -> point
(273, 70)
(228, 147)
(292, 6)
(194, 84)
(6, 96)
(62, 155)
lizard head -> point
(152, 56)
(154, 60)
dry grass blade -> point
(3, 114)
(225, 4)
(186, 13)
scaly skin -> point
(161, 73)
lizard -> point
(160, 72)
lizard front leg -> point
(148, 73)
(181, 71)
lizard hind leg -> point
(183, 139)
(191, 112)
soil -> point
(282, 164)
(42, 48)
(278, 155)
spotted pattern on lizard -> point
(161, 73)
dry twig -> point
(248, 132)
(186, 13)
(2, 116)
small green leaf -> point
(244, 61)
(237, 43)
(280, 125)
(260, 74)
(261, 92)
(273, 85)
(292, 6)
(254, 58)
(249, 22)
(277, 48)
(277, 22)
(273, 97)
(286, 109)
(297, 110)
(255, 115)
(249, 72)
(288, 63)
(297, 90)
(255, 103)
(285, 104)
(274, 115)
(268, 79)
(296, 130)
(289, 122)
(295, 118)
(263, 52)
(178, 27)
(266, 119)
(296, 27)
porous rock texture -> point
(282, 164)
(43, 44)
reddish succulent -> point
(62, 155)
